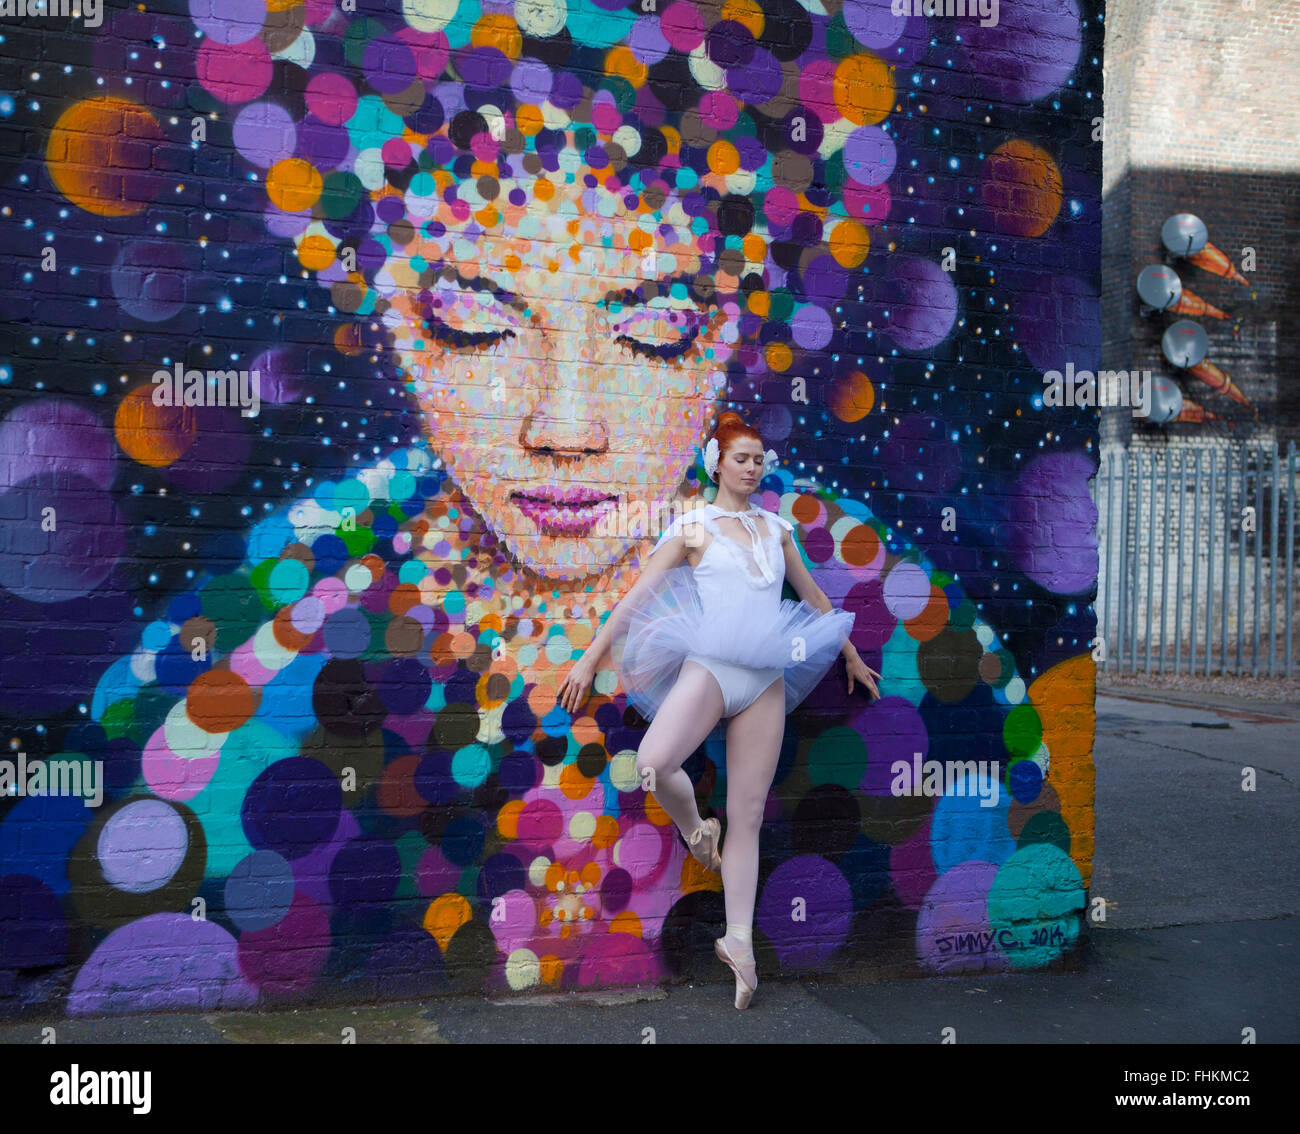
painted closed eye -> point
(659, 333)
(468, 320)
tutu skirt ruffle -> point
(667, 621)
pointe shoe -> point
(703, 845)
(746, 986)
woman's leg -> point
(753, 748)
(688, 714)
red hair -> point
(731, 426)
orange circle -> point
(853, 396)
(500, 31)
(931, 621)
(316, 253)
(622, 63)
(573, 783)
(1024, 181)
(294, 185)
(446, 914)
(508, 818)
(396, 794)
(849, 243)
(723, 157)
(153, 435)
(863, 89)
(88, 156)
(528, 119)
(219, 701)
(779, 357)
(543, 189)
(860, 546)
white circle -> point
(523, 969)
(541, 17)
(429, 15)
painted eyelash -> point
(666, 352)
(465, 340)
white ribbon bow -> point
(770, 459)
(756, 541)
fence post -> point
(1272, 567)
(1196, 562)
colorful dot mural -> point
(497, 266)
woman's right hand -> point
(574, 689)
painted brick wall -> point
(306, 650)
(1201, 118)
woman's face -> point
(565, 371)
(740, 468)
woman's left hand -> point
(859, 670)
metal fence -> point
(1197, 559)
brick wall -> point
(308, 648)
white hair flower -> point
(769, 461)
(711, 458)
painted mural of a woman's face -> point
(565, 363)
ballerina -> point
(705, 635)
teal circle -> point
(351, 494)
(288, 581)
(470, 765)
(372, 123)
(1037, 896)
(412, 571)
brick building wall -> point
(1201, 117)
(308, 648)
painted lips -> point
(565, 512)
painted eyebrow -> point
(635, 297)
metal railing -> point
(1197, 560)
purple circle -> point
(758, 80)
(892, 729)
(52, 566)
(907, 591)
(404, 685)
(953, 933)
(1054, 522)
(531, 81)
(259, 890)
(389, 64)
(149, 279)
(163, 961)
(873, 22)
(827, 901)
(811, 327)
(323, 145)
(55, 435)
(142, 845)
(924, 303)
(287, 957)
(869, 155)
(229, 21)
(292, 807)
(1025, 56)
(365, 872)
(264, 133)
(566, 90)
(646, 40)
(483, 68)
(824, 281)
(729, 44)
(347, 633)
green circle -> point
(1036, 897)
(1022, 731)
(232, 604)
(340, 194)
(1046, 827)
(838, 756)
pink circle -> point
(235, 72)
(396, 153)
(243, 661)
(642, 851)
(604, 113)
(331, 98)
(719, 111)
(333, 594)
(286, 958)
(682, 26)
(174, 777)
(867, 203)
(540, 824)
(431, 52)
(317, 11)
(780, 205)
(513, 920)
(817, 89)
(484, 147)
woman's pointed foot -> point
(742, 964)
(703, 845)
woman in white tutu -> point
(705, 634)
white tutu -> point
(722, 609)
